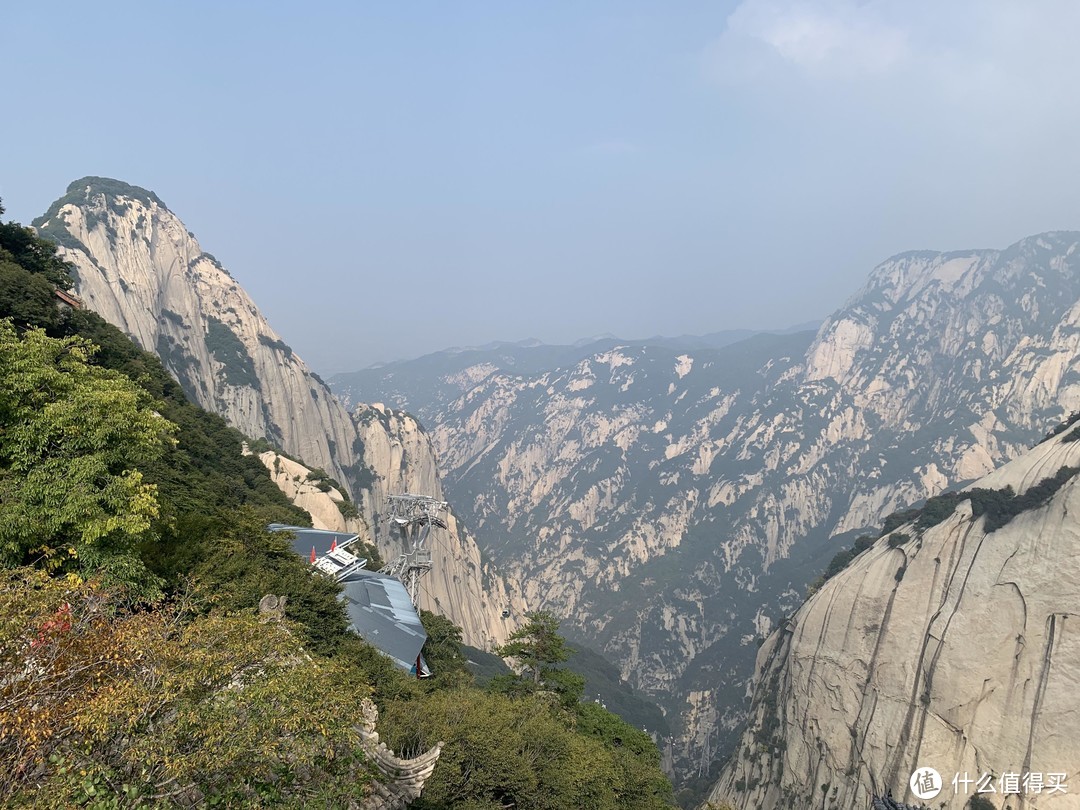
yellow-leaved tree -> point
(134, 707)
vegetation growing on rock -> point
(237, 366)
(132, 557)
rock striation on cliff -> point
(949, 646)
(677, 501)
(138, 266)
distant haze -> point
(390, 179)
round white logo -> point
(925, 783)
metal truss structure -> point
(413, 516)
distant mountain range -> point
(404, 383)
(713, 340)
(675, 502)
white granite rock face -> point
(957, 649)
(689, 479)
(291, 477)
(461, 585)
(140, 268)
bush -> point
(230, 351)
(1068, 423)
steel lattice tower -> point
(413, 516)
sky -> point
(391, 179)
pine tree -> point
(538, 645)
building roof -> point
(381, 613)
(67, 298)
(378, 606)
(319, 539)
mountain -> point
(675, 503)
(948, 643)
(409, 383)
(139, 267)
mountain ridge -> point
(743, 474)
(923, 651)
(140, 268)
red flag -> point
(333, 546)
(313, 555)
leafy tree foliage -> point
(22, 247)
(243, 562)
(503, 753)
(641, 782)
(539, 650)
(537, 645)
(527, 752)
(100, 702)
(443, 649)
(72, 436)
(604, 683)
(29, 299)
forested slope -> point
(136, 672)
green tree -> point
(539, 649)
(22, 246)
(537, 646)
(442, 650)
(501, 753)
(243, 562)
(27, 298)
(71, 438)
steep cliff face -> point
(139, 267)
(677, 502)
(319, 499)
(461, 584)
(950, 647)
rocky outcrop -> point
(461, 585)
(138, 266)
(676, 502)
(949, 647)
(325, 503)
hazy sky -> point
(387, 179)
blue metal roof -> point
(381, 613)
(319, 539)
(378, 606)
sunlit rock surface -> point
(957, 649)
(139, 267)
(667, 499)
